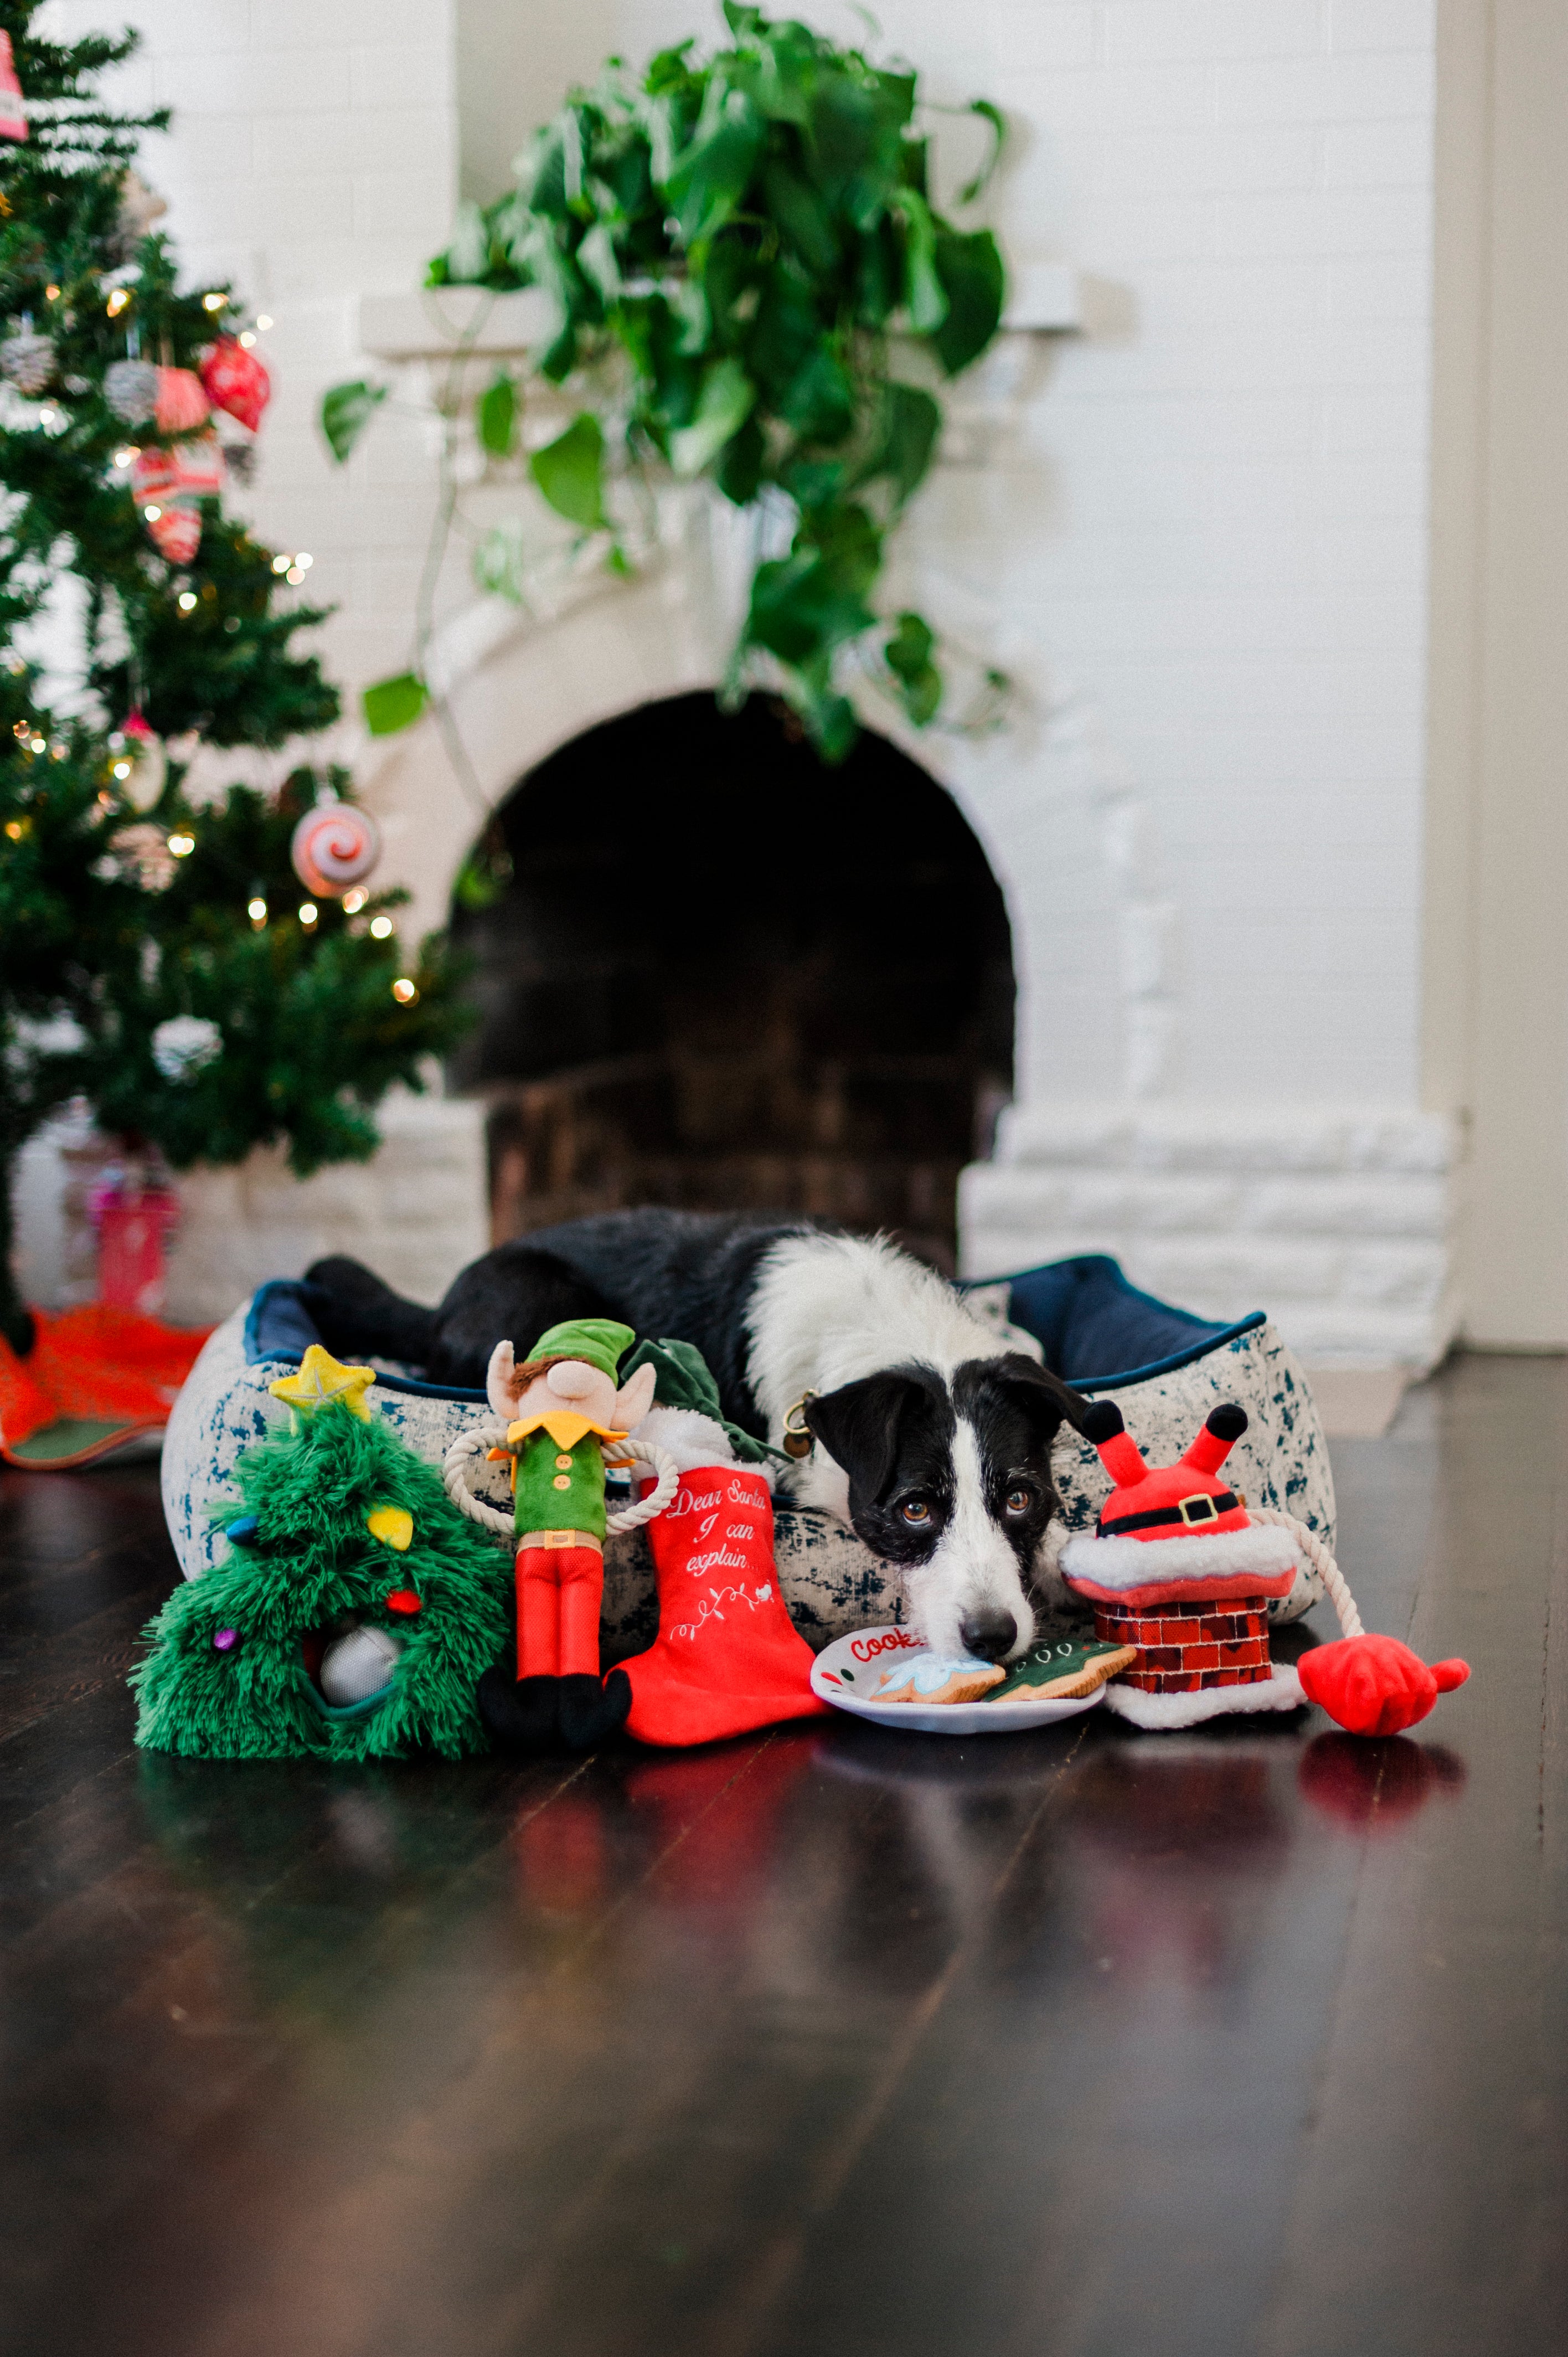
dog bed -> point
(1166, 1367)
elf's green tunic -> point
(558, 1474)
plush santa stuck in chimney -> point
(1177, 1567)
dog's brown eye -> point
(917, 1513)
(1019, 1500)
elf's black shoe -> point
(591, 1713)
(521, 1714)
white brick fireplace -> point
(1195, 532)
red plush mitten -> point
(728, 1658)
(1375, 1685)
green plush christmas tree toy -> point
(357, 1608)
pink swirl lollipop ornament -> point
(335, 846)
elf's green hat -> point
(598, 1341)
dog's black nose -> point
(989, 1633)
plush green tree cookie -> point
(355, 1612)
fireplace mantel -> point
(429, 325)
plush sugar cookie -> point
(928, 1677)
(1063, 1671)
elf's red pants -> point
(559, 1591)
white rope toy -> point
(1322, 1562)
(458, 1466)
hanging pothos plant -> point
(739, 253)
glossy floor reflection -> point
(832, 2041)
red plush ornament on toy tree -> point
(1176, 1562)
(236, 382)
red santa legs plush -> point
(1179, 1568)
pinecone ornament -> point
(28, 360)
(139, 854)
(131, 389)
(236, 381)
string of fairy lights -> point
(180, 844)
(129, 748)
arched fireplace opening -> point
(724, 977)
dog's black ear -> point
(859, 1424)
(1044, 1398)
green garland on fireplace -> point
(741, 253)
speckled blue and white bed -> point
(1166, 1367)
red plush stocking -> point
(727, 1659)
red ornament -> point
(181, 403)
(334, 847)
(236, 382)
(177, 534)
(404, 1599)
(154, 477)
(199, 467)
(13, 122)
(166, 485)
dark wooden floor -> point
(1078, 2043)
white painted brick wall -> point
(416, 1214)
(1351, 1252)
(1198, 539)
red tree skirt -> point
(94, 1378)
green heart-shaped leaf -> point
(394, 704)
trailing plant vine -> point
(741, 253)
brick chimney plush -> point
(1175, 1567)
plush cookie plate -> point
(854, 1671)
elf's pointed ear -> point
(635, 1397)
(861, 1424)
(501, 1387)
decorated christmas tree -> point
(344, 1550)
(210, 974)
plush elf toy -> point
(1180, 1569)
(727, 1658)
(353, 1612)
(561, 1407)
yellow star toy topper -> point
(321, 1379)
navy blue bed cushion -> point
(1097, 1331)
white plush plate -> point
(845, 1671)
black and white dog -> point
(932, 1438)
